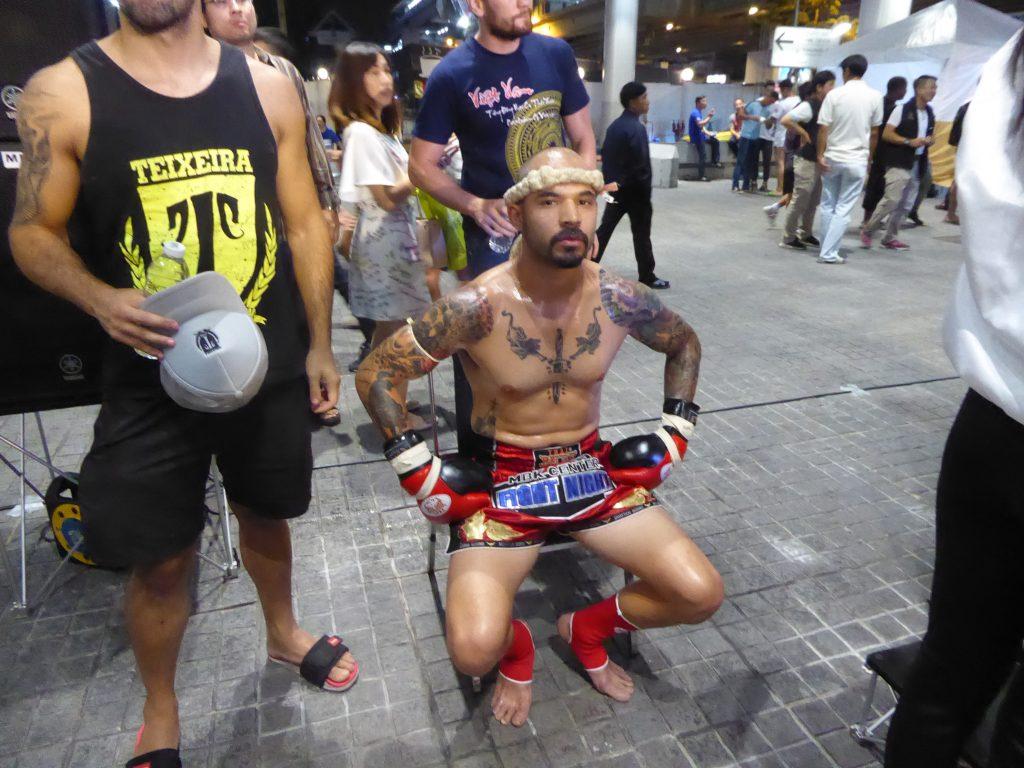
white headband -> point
(546, 176)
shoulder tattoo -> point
(628, 304)
(454, 321)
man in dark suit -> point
(626, 161)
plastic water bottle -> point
(164, 271)
(501, 243)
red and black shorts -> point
(542, 491)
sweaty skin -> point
(536, 337)
(535, 368)
(537, 334)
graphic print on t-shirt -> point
(533, 125)
(206, 200)
(536, 126)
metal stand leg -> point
(628, 578)
(431, 548)
(864, 730)
(19, 580)
(432, 544)
(46, 447)
(23, 602)
(229, 567)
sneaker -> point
(771, 211)
(865, 239)
(831, 260)
(794, 243)
(916, 219)
(811, 241)
(364, 350)
(895, 245)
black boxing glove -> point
(646, 460)
(446, 489)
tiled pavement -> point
(816, 509)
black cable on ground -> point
(725, 409)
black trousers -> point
(874, 189)
(638, 206)
(976, 618)
(716, 154)
(765, 147)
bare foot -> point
(295, 647)
(611, 680)
(160, 727)
(511, 701)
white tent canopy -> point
(952, 39)
(932, 34)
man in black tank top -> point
(154, 133)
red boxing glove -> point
(446, 489)
(646, 460)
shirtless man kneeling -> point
(537, 336)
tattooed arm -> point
(53, 121)
(637, 308)
(452, 323)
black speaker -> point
(35, 34)
(49, 350)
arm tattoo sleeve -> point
(638, 309)
(36, 117)
(453, 323)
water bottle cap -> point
(174, 249)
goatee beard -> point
(163, 17)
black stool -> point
(893, 665)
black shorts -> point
(143, 483)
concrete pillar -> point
(620, 22)
(881, 13)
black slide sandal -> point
(317, 665)
(158, 758)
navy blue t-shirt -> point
(503, 107)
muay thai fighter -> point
(537, 336)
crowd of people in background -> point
(827, 146)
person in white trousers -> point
(848, 132)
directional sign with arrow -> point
(801, 46)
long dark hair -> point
(1016, 75)
(349, 101)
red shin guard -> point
(516, 665)
(589, 628)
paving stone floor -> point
(810, 486)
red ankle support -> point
(589, 628)
(517, 663)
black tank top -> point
(200, 170)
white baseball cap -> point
(219, 358)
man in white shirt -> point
(777, 111)
(908, 134)
(848, 132)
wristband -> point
(677, 407)
(406, 452)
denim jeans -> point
(840, 190)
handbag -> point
(430, 238)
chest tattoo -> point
(523, 346)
